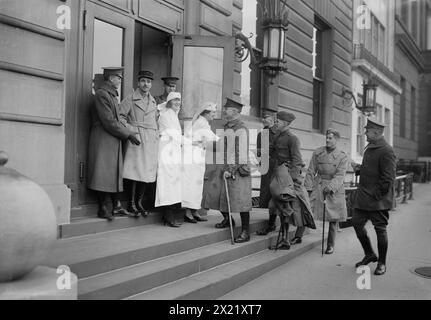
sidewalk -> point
(334, 277)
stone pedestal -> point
(41, 284)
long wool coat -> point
(105, 154)
(377, 177)
(328, 169)
(239, 188)
(169, 172)
(140, 162)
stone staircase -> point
(140, 259)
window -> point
(382, 45)
(403, 109)
(413, 115)
(428, 26)
(405, 12)
(107, 46)
(379, 114)
(414, 26)
(205, 65)
(360, 139)
(202, 77)
(388, 132)
(319, 56)
(374, 39)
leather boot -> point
(245, 224)
(103, 212)
(131, 206)
(140, 191)
(270, 228)
(225, 222)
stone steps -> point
(130, 260)
(218, 281)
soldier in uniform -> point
(140, 162)
(375, 194)
(289, 200)
(170, 85)
(325, 178)
(268, 120)
(105, 163)
(236, 170)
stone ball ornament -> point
(28, 226)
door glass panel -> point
(107, 46)
(202, 78)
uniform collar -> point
(377, 144)
(107, 86)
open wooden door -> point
(205, 65)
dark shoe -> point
(168, 219)
(198, 217)
(329, 250)
(225, 223)
(284, 245)
(380, 270)
(131, 207)
(189, 219)
(367, 260)
(296, 240)
(120, 211)
(104, 214)
(140, 208)
(265, 231)
(243, 237)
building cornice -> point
(366, 68)
(408, 45)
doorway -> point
(110, 39)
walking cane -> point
(229, 212)
(324, 218)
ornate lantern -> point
(274, 26)
(368, 106)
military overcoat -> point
(140, 162)
(377, 178)
(240, 190)
(105, 154)
(328, 169)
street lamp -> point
(274, 26)
(369, 94)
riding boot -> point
(245, 226)
(140, 191)
(225, 222)
(131, 206)
(103, 212)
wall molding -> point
(217, 7)
(31, 71)
(17, 23)
(30, 119)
